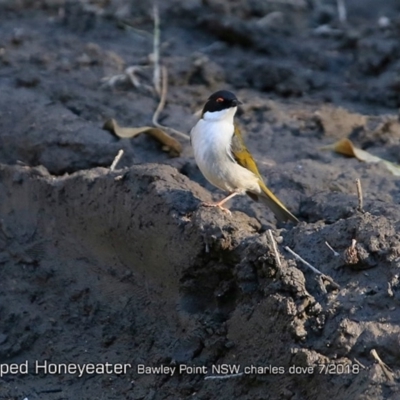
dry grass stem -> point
(276, 254)
(163, 97)
(161, 104)
(156, 51)
(315, 270)
(335, 253)
(359, 363)
(160, 78)
(360, 195)
(131, 74)
(386, 370)
(116, 160)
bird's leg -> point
(220, 203)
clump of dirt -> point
(126, 267)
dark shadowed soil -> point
(118, 272)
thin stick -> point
(163, 96)
(342, 13)
(156, 50)
(326, 277)
(223, 376)
(335, 253)
(160, 76)
(116, 160)
(276, 254)
(160, 79)
(303, 261)
(360, 195)
(386, 370)
(359, 363)
(161, 104)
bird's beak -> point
(236, 102)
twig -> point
(360, 195)
(326, 277)
(156, 50)
(116, 160)
(130, 74)
(160, 77)
(303, 261)
(342, 13)
(276, 254)
(359, 363)
(223, 376)
(386, 370)
(335, 253)
(161, 104)
(163, 97)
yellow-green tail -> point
(276, 206)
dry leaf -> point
(346, 147)
(169, 144)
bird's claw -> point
(225, 210)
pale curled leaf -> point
(392, 167)
(346, 147)
(169, 144)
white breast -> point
(211, 140)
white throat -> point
(223, 115)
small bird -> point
(223, 158)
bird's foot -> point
(225, 210)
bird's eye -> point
(219, 100)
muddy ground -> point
(126, 267)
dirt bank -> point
(125, 267)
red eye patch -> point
(219, 100)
